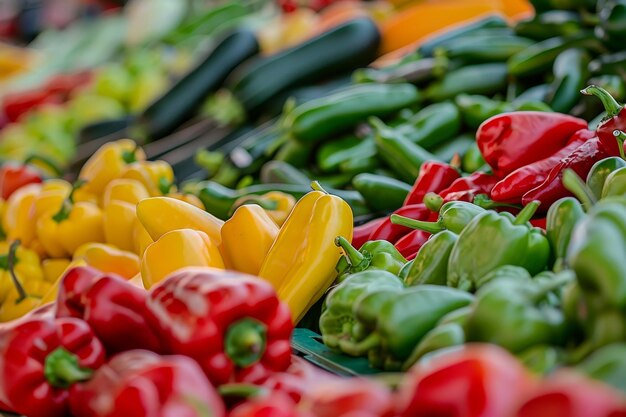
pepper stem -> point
(130, 156)
(353, 256)
(433, 202)
(376, 123)
(241, 390)
(430, 227)
(47, 162)
(245, 341)
(483, 200)
(557, 282)
(527, 213)
(61, 369)
(11, 260)
(611, 105)
(620, 137)
(66, 207)
(316, 186)
(574, 184)
(164, 185)
(362, 347)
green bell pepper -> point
(542, 359)
(504, 271)
(375, 255)
(561, 219)
(442, 336)
(404, 272)
(453, 216)
(607, 364)
(430, 265)
(600, 171)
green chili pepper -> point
(294, 153)
(337, 319)
(486, 48)
(403, 156)
(430, 265)
(279, 172)
(442, 336)
(356, 166)
(415, 71)
(612, 27)
(561, 219)
(433, 125)
(542, 359)
(607, 364)
(570, 76)
(473, 159)
(504, 271)
(376, 254)
(531, 106)
(476, 109)
(494, 239)
(382, 194)
(549, 24)
(472, 79)
(453, 216)
(612, 64)
(537, 93)
(457, 146)
(333, 153)
(510, 313)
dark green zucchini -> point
(183, 99)
(346, 47)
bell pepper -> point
(24, 263)
(108, 163)
(513, 187)
(543, 359)
(337, 319)
(141, 238)
(16, 219)
(600, 171)
(124, 189)
(53, 268)
(276, 404)
(160, 215)
(156, 176)
(107, 258)
(277, 204)
(41, 360)
(505, 271)
(52, 194)
(250, 223)
(474, 381)
(14, 176)
(361, 233)
(453, 216)
(187, 198)
(512, 140)
(70, 226)
(562, 217)
(240, 333)
(113, 308)
(373, 255)
(178, 249)
(301, 263)
(508, 312)
(391, 232)
(140, 383)
(518, 244)
(401, 321)
(607, 364)
(443, 336)
(410, 244)
(430, 265)
(433, 177)
(615, 119)
(118, 219)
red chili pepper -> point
(234, 325)
(41, 360)
(466, 188)
(581, 160)
(359, 397)
(14, 176)
(519, 182)
(475, 381)
(362, 232)
(567, 394)
(615, 120)
(62, 85)
(411, 243)
(140, 383)
(114, 308)
(17, 104)
(394, 232)
(540, 223)
(433, 177)
(512, 140)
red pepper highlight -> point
(393, 232)
(433, 177)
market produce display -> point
(341, 214)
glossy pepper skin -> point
(250, 223)
(337, 319)
(301, 263)
(391, 232)
(156, 176)
(433, 177)
(41, 360)
(16, 221)
(466, 188)
(124, 189)
(140, 383)
(14, 176)
(562, 218)
(410, 244)
(441, 337)
(453, 216)
(599, 173)
(111, 306)
(374, 255)
(277, 204)
(495, 239)
(430, 265)
(511, 140)
(361, 233)
(108, 258)
(232, 324)
(615, 120)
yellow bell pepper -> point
(53, 268)
(62, 231)
(16, 306)
(188, 198)
(141, 238)
(118, 219)
(17, 219)
(277, 204)
(52, 194)
(301, 262)
(3, 205)
(108, 163)
(122, 189)
(160, 215)
(156, 176)
(108, 258)
(178, 249)
(246, 239)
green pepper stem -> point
(61, 369)
(164, 185)
(483, 201)
(574, 184)
(241, 390)
(376, 123)
(46, 161)
(11, 260)
(558, 281)
(433, 202)
(430, 227)
(316, 186)
(620, 137)
(130, 156)
(359, 349)
(527, 213)
(245, 341)
(68, 203)
(611, 105)
(353, 256)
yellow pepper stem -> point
(11, 261)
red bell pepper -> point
(393, 232)
(40, 362)
(277, 404)
(297, 379)
(581, 160)
(362, 232)
(474, 381)
(234, 325)
(114, 308)
(615, 120)
(411, 243)
(519, 182)
(140, 383)
(567, 394)
(466, 188)
(433, 177)
(510, 141)
(358, 397)
(540, 222)
(14, 176)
